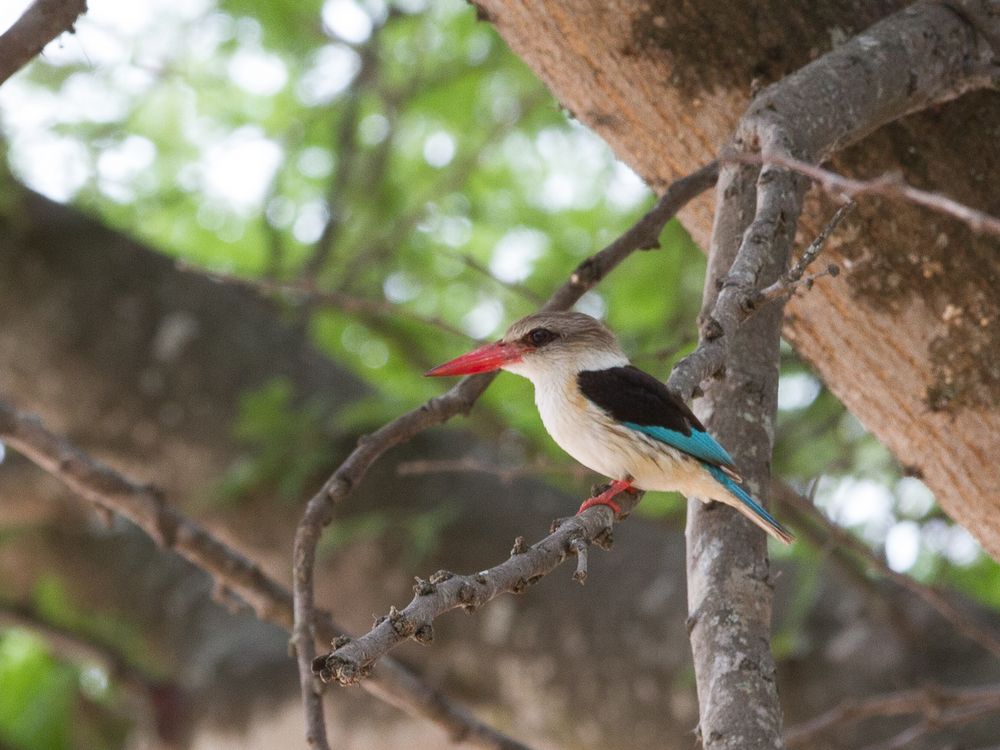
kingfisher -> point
(612, 417)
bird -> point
(612, 417)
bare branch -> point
(459, 400)
(75, 646)
(347, 151)
(506, 474)
(793, 278)
(352, 660)
(146, 508)
(520, 289)
(737, 294)
(939, 705)
(887, 186)
(306, 291)
(42, 22)
(986, 637)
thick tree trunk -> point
(908, 337)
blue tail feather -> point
(769, 523)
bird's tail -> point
(750, 507)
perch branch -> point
(352, 659)
(145, 506)
(42, 22)
(644, 234)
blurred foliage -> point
(398, 153)
(48, 704)
(53, 603)
(414, 534)
(290, 443)
(37, 696)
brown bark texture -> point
(908, 336)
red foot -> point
(617, 487)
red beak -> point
(484, 359)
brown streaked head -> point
(545, 337)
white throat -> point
(546, 372)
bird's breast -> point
(582, 430)
(592, 437)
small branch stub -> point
(519, 547)
(579, 548)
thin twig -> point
(42, 22)
(352, 660)
(306, 291)
(506, 474)
(520, 289)
(888, 186)
(986, 637)
(816, 246)
(347, 151)
(75, 646)
(793, 278)
(939, 705)
(644, 234)
(146, 508)
(788, 288)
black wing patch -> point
(630, 395)
(642, 403)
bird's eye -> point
(540, 336)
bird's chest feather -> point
(580, 428)
(596, 440)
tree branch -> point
(887, 186)
(145, 506)
(42, 22)
(506, 474)
(814, 525)
(966, 625)
(352, 660)
(305, 290)
(644, 234)
(940, 706)
(793, 278)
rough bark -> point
(729, 587)
(665, 85)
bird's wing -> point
(643, 403)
